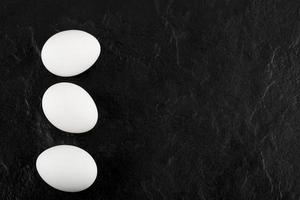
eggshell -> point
(69, 53)
(67, 168)
(69, 108)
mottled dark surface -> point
(199, 99)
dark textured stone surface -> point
(198, 99)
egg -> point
(67, 168)
(69, 53)
(69, 108)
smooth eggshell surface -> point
(69, 53)
(69, 108)
(67, 168)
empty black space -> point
(198, 99)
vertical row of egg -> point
(69, 108)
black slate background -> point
(198, 99)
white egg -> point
(69, 53)
(69, 108)
(67, 168)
